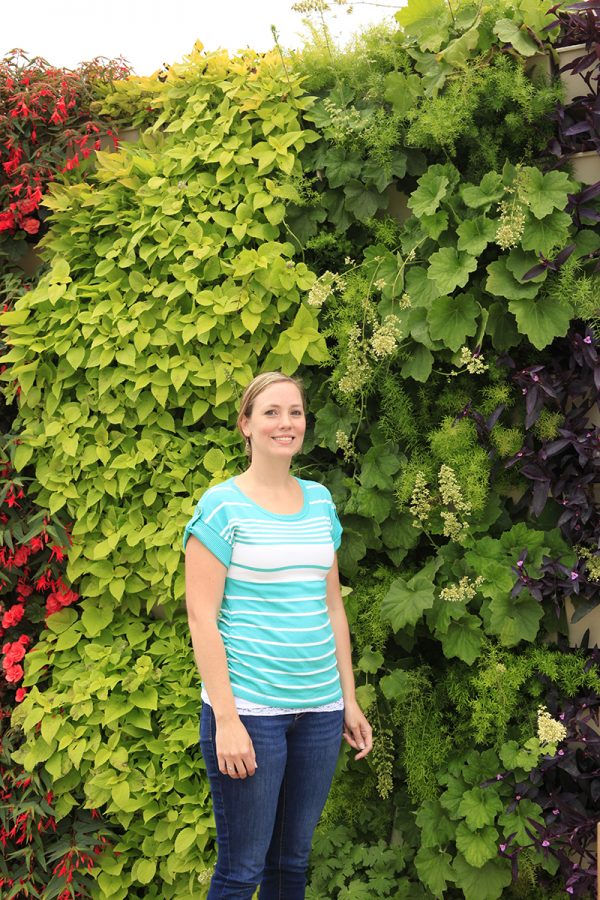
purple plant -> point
(566, 786)
(565, 469)
(578, 23)
(557, 583)
(578, 125)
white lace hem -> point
(248, 708)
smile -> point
(287, 439)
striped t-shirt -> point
(273, 619)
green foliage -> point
(575, 286)
(130, 102)
(484, 114)
(348, 871)
(455, 444)
(119, 726)
(252, 227)
(170, 283)
(502, 685)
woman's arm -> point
(357, 731)
(204, 584)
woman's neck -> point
(267, 475)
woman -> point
(271, 641)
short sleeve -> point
(336, 527)
(210, 525)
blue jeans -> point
(265, 823)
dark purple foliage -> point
(557, 583)
(578, 125)
(565, 469)
(567, 787)
(578, 23)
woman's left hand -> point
(357, 731)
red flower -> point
(20, 694)
(27, 206)
(44, 581)
(7, 220)
(22, 553)
(52, 605)
(13, 616)
(57, 553)
(71, 163)
(24, 589)
(14, 674)
(31, 226)
(13, 653)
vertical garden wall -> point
(389, 224)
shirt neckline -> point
(287, 517)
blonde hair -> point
(256, 387)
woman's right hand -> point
(235, 752)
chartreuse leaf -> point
(428, 21)
(485, 882)
(480, 806)
(435, 870)
(542, 320)
(511, 33)
(95, 618)
(450, 268)
(477, 846)
(406, 601)
(519, 821)
(546, 192)
(185, 839)
(475, 234)
(451, 319)
(171, 279)
(547, 234)
(513, 619)
(503, 283)
(489, 191)
(144, 870)
(524, 757)
(300, 339)
(421, 290)
(432, 189)
(402, 91)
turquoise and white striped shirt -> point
(273, 620)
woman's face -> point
(277, 423)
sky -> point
(149, 33)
